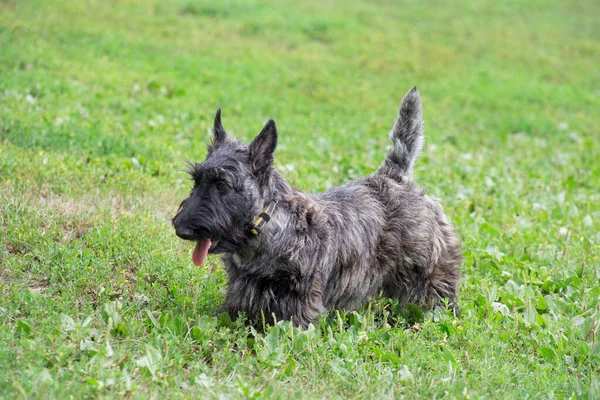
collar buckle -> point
(261, 221)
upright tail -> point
(406, 136)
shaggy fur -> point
(378, 234)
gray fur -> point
(380, 234)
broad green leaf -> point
(23, 328)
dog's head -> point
(231, 188)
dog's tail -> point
(407, 138)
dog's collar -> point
(261, 221)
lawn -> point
(101, 103)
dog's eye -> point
(221, 187)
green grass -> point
(101, 101)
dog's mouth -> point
(203, 247)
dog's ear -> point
(219, 132)
(262, 149)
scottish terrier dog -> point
(292, 256)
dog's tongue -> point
(200, 251)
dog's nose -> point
(184, 232)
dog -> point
(292, 256)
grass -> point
(100, 103)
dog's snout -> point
(182, 229)
(184, 232)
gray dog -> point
(291, 255)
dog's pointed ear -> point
(219, 132)
(262, 149)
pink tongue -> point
(200, 251)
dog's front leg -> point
(276, 297)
